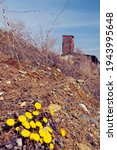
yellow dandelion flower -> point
(42, 132)
(37, 105)
(47, 138)
(35, 137)
(38, 124)
(10, 122)
(51, 146)
(45, 120)
(63, 132)
(22, 118)
(41, 140)
(49, 129)
(25, 133)
(32, 136)
(26, 124)
(17, 129)
(28, 115)
(35, 113)
(41, 127)
(32, 124)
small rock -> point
(6, 66)
(83, 116)
(83, 147)
(19, 142)
(70, 94)
(23, 104)
(80, 81)
(9, 146)
(58, 70)
(49, 68)
(84, 107)
(1, 98)
(88, 118)
(54, 107)
(22, 72)
(54, 74)
(54, 89)
(57, 120)
(93, 121)
(1, 93)
(8, 82)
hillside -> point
(28, 78)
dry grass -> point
(20, 48)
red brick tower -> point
(68, 44)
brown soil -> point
(49, 85)
(22, 81)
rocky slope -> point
(79, 114)
(28, 75)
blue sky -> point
(81, 18)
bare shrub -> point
(77, 66)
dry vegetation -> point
(23, 48)
(37, 72)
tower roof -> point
(68, 36)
